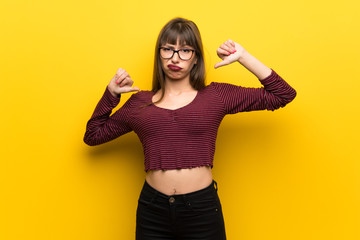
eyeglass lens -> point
(184, 54)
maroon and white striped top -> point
(184, 137)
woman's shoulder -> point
(224, 89)
(218, 84)
(141, 97)
(223, 86)
(215, 86)
(141, 93)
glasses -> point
(184, 54)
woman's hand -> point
(121, 83)
(229, 52)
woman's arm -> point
(102, 127)
(274, 94)
(260, 70)
(231, 51)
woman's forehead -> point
(178, 41)
(177, 44)
(175, 38)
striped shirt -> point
(183, 137)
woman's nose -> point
(175, 57)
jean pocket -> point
(204, 206)
(145, 202)
(146, 199)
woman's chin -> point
(175, 76)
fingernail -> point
(117, 81)
(234, 51)
(229, 53)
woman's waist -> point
(180, 181)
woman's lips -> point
(174, 68)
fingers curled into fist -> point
(121, 83)
(229, 52)
(120, 76)
(227, 47)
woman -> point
(177, 123)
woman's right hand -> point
(121, 83)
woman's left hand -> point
(229, 52)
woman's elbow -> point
(277, 102)
(292, 95)
(91, 140)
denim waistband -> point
(147, 189)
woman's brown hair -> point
(188, 34)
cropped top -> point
(183, 137)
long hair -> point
(188, 33)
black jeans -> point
(195, 215)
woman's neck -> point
(177, 86)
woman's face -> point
(176, 68)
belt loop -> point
(216, 188)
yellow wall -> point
(288, 174)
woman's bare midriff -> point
(180, 181)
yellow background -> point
(288, 174)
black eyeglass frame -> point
(177, 51)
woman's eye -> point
(167, 49)
(186, 50)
